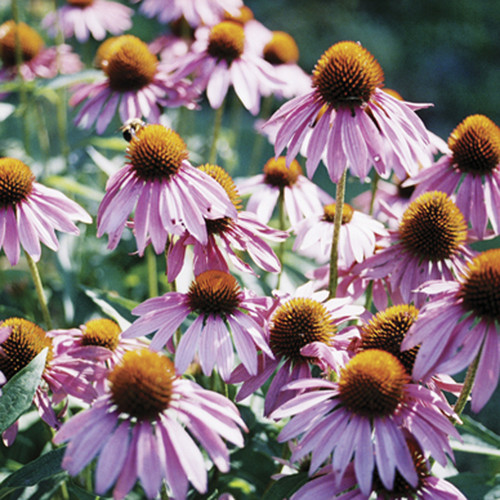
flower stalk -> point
(468, 384)
(337, 222)
(39, 291)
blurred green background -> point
(437, 51)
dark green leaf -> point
(114, 306)
(18, 392)
(46, 466)
(286, 486)
(478, 430)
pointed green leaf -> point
(18, 392)
(286, 486)
(42, 468)
(114, 306)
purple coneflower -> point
(350, 117)
(135, 85)
(301, 197)
(281, 51)
(196, 12)
(224, 314)
(220, 57)
(302, 331)
(170, 195)
(37, 61)
(228, 235)
(428, 245)
(145, 428)
(85, 18)
(325, 485)
(370, 413)
(63, 374)
(30, 212)
(460, 323)
(357, 238)
(471, 170)
(98, 338)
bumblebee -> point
(131, 127)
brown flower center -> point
(156, 152)
(141, 385)
(101, 332)
(347, 75)
(475, 145)
(218, 226)
(281, 49)
(104, 52)
(128, 63)
(16, 181)
(30, 41)
(386, 331)
(244, 16)
(297, 323)
(226, 41)
(432, 227)
(24, 343)
(80, 3)
(372, 383)
(276, 172)
(401, 488)
(329, 213)
(214, 292)
(480, 289)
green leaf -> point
(477, 439)
(286, 486)
(72, 186)
(42, 468)
(474, 428)
(114, 306)
(18, 392)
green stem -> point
(212, 157)
(468, 383)
(23, 93)
(337, 222)
(282, 226)
(376, 178)
(259, 138)
(39, 291)
(152, 272)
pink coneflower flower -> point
(85, 18)
(391, 201)
(145, 428)
(387, 329)
(30, 212)
(358, 235)
(98, 339)
(471, 170)
(63, 374)
(281, 51)
(224, 314)
(228, 235)
(350, 118)
(370, 413)
(196, 12)
(351, 284)
(459, 323)
(37, 61)
(171, 195)
(302, 331)
(301, 197)
(428, 245)
(135, 85)
(220, 57)
(325, 485)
